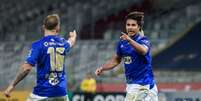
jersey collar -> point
(134, 37)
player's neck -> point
(50, 32)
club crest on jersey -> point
(127, 60)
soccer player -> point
(135, 51)
(48, 55)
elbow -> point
(117, 63)
(26, 68)
(144, 52)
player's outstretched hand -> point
(99, 71)
(73, 34)
(124, 36)
(72, 38)
(8, 91)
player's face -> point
(132, 27)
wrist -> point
(129, 39)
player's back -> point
(48, 53)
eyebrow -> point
(130, 24)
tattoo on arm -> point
(113, 62)
(20, 76)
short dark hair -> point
(51, 21)
(138, 16)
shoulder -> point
(37, 43)
(139, 38)
(143, 39)
(60, 38)
(63, 40)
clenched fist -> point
(99, 71)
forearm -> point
(138, 47)
(72, 40)
(113, 62)
(109, 65)
(22, 73)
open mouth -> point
(131, 31)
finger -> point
(6, 94)
(96, 72)
(122, 33)
(99, 71)
(71, 33)
(122, 37)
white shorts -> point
(136, 92)
(33, 97)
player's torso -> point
(137, 66)
(50, 67)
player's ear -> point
(139, 27)
(43, 28)
(58, 29)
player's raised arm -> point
(110, 64)
(22, 73)
(72, 38)
(141, 49)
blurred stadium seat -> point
(184, 54)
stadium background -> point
(173, 26)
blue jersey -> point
(138, 69)
(48, 56)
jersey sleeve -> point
(67, 47)
(33, 54)
(146, 43)
(118, 49)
